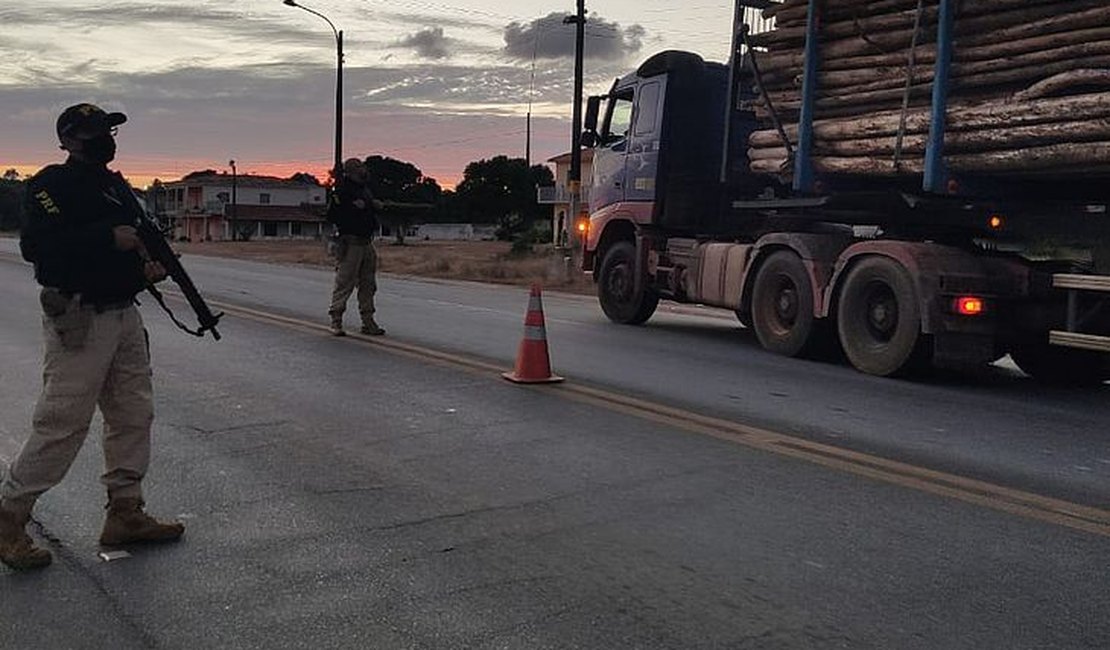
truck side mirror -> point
(589, 139)
(593, 108)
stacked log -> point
(1029, 88)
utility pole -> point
(338, 104)
(234, 201)
(574, 178)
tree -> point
(399, 182)
(11, 200)
(305, 177)
(202, 172)
(502, 190)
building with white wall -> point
(201, 207)
(558, 195)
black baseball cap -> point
(84, 120)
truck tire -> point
(879, 319)
(616, 287)
(1062, 366)
(782, 305)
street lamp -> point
(234, 200)
(338, 85)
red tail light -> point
(969, 306)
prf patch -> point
(47, 203)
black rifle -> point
(158, 250)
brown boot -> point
(17, 550)
(127, 523)
(371, 328)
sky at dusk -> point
(438, 84)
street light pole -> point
(338, 86)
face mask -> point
(101, 149)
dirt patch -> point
(475, 261)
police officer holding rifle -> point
(85, 234)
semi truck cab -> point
(895, 276)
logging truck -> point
(879, 175)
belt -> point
(98, 305)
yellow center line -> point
(1017, 502)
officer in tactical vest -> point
(91, 264)
(353, 209)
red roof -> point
(242, 180)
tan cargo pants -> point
(355, 266)
(92, 359)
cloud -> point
(112, 13)
(429, 43)
(550, 38)
(441, 20)
(259, 84)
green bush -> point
(541, 230)
(522, 243)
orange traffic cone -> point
(533, 365)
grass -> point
(474, 261)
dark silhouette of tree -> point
(304, 177)
(411, 195)
(502, 190)
(11, 200)
(202, 172)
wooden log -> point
(1033, 158)
(854, 81)
(884, 92)
(868, 166)
(886, 168)
(960, 118)
(896, 30)
(1065, 81)
(773, 10)
(1069, 16)
(974, 141)
(791, 63)
(1072, 15)
(847, 166)
(775, 153)
(849, 9)
(796, 12)
(840, 11)
(1060, 160)
(770, 166)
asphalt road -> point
(339, 494)
(996, 425)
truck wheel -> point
(879, 319)
(1062, 366)
(782, 305)
(616, 287)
